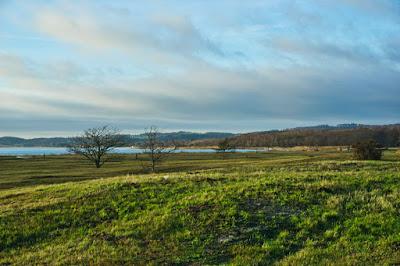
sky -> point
(235, 66)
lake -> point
(24, 151)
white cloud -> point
(133, 68)
(152, 40)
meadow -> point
(276, 208)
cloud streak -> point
(134, 66)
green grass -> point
(246, 209)
(16, 172)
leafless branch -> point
(155, 148)
(95, 144)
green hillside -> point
(254, 209)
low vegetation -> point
(303, 208)
(368, 150)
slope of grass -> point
(308, 211)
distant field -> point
(30, 170)
(284, 208)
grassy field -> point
(284, 208)
(16, 172)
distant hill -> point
(323, 135)
(320, 135)
(181, 136)
(328, 127)
(128, 140)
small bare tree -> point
(156, 149)
(95, 144)
(225, 146)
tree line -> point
(387, 136)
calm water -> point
(21, 151)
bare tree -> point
(95, 144)
(225, 145)
(156, 149)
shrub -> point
(369, 150)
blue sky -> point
(197, 65)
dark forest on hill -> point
(388, 136)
